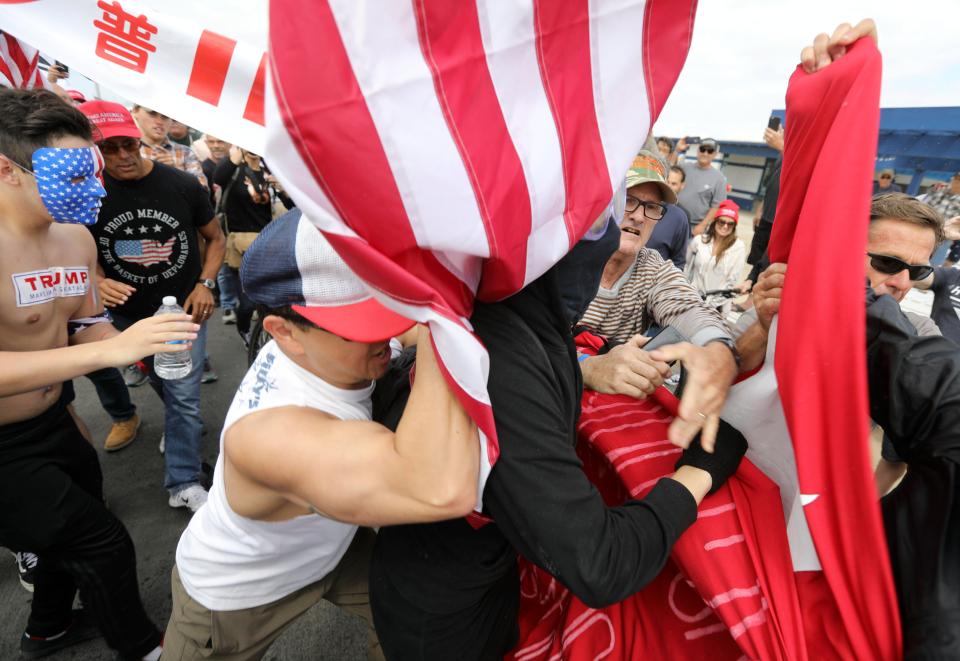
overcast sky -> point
(744, 51)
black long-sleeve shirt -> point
(914, 386)
(541, 501)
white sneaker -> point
(193, 498)
(163, 443)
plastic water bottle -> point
(172, 365)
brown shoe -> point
(122, 434)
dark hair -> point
(679, 170)
(31, 119)
(289, 314)
(666, 140)
(900, 206)
(722, 242)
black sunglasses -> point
(128, 144)
(893, 265)
(707, 150)
(652, 210)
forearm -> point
(215, 251)
(23, 371)
(603, 555)
(674, 302)
(695, 480)
(95, 333)
(436, 443)
(752, 345)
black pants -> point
(51, 503)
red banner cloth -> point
(821, 225)
(728, 589)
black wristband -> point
(723, 461)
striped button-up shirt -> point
(652, 291)
(183, 158)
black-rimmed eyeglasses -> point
(651, 210)
(889, 265)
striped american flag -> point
(19, 64)
(145, 252)
(457, 150)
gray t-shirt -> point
(705, 188)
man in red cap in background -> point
(148, 247)
(301, 464)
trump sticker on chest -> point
(36, 287)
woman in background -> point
(716, 258)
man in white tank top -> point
(301, 464)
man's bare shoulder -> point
(278, 422)
(74, 236)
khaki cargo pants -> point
(195, 632)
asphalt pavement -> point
(133, 485)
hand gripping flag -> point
(457, 150)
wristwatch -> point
(208, 283)
(730, 344)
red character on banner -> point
(124, 38)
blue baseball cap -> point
(292, 264)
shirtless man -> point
(52, 329)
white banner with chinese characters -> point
(202, 62)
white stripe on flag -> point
(619, 88)
(400, 95)
(509, 39)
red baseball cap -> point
(77, 96)
(110, 120)
(728, 209)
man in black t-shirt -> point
(147, 238)
(248, 207)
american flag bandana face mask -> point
(69, 181)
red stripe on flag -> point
(359, 181)
(667, 31)
(19, 59)
(254, 109)
(563, 53)
(5, 70)
(210, 65)
(452, 47)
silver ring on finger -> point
(703, 416)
